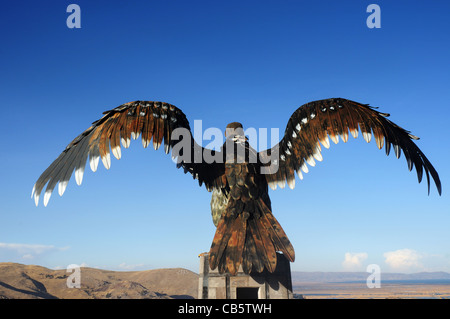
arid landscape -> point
(18, 281)
(361, 291)
(353, 285)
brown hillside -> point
(19, 281)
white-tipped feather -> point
(299, 173)
(166, 148)
(282, 184)
(125, 142)
(334, 138)
(304, 167)
(47, 195)
(79, 172)
(318, 156)
(36, 199)
(291, 182)
(367, 136)
(310, 161)
(354, 132)
(106, 160)
(326, 142)
(62, 187)
(93, 162)
(145, 143)
(272, 185)
(134, 135)
(318, 147)
(344, 136)
(397, 150)
(117, 152)
(380, 142)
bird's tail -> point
(248, 235)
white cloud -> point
(353, 261)
(28, 256)
(28, 251)
(403, 260)
(68, 266)
(125, 266)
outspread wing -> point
(161, 122)
(330, 119)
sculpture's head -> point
(233, 129)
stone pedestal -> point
(265, 285)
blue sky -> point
(222, 61)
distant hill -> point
(322, 277)
(19, 281)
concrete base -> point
(265, 285)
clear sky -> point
(222, 61)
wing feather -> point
(147, 129)
(322, 120)
(151, 120)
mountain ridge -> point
(20, 281)
(318, 276)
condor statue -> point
(247, 232)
